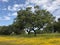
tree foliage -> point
(28, 19)
(57, 25)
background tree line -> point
(39, 21)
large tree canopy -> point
(28, 19)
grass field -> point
(40, 39)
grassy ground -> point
(40, 39)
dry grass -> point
(39, 40)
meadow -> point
(40, 39)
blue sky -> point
(9, 8)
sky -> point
(9, 8)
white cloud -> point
(50, 5)
(58, 0)
(9, 8)
(38, 2)
(4, 0)
(5, 18)
(15, 7)
(43, 3)
(14, 14)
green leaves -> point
(26, 18)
